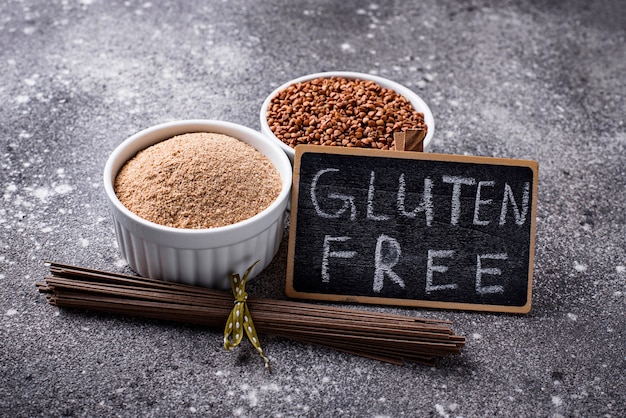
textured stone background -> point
(540, 79)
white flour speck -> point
(441, 410)
(84, 243)
(63, 188)
(41, 193)
(272, 387)
(572, 316)
(620, 269)
(125, 95)
(253, 400)
(557, 401)
(22, 99)
(46, 229)
(476, 336)
(346, 47)
(580, 267)
(11, 312)
(11, 188)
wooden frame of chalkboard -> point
(412, 229)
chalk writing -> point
(435, 229)
(425, 206)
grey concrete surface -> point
(542, 80)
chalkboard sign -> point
(412, 229)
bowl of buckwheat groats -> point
(195, 201)
(343, 108)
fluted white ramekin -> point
(203, 257)
(418, 103)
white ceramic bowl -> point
(417, 102)
(203, 257)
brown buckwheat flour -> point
(198, 180)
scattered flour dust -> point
(580, 267)
(120, 262)
(63, 188)
(22, 99)
(272, 387)
(41, 193)
(441, 410)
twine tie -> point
(240, 320)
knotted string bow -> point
(240, 320)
